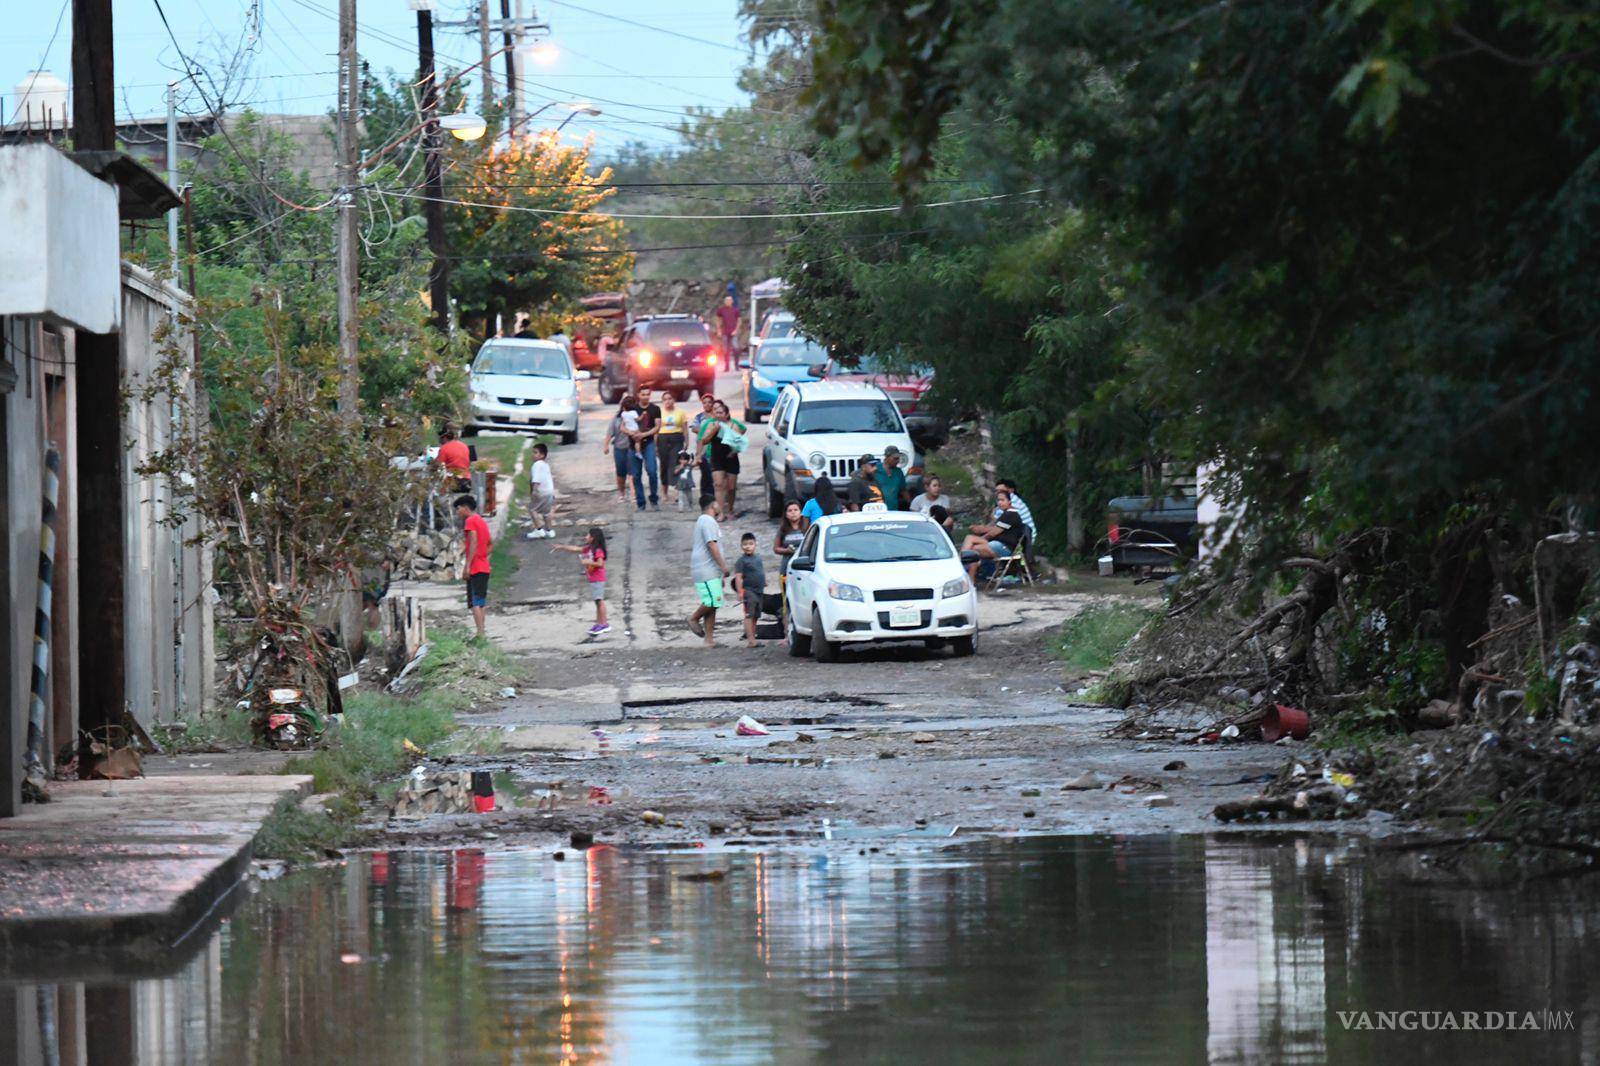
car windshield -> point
(521, 361)
(886, 542)
(848, 416)
(791, 352)
(667, 334)
(778, 329)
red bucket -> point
(1284, 721)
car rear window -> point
(668, 333)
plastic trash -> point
(1230, 733)
(749, 727)
(653, 818)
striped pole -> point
(33, 763)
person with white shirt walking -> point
(541, 495)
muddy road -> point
(898, 739)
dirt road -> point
(888, 740)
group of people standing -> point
(650, 442)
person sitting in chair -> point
(996, 540)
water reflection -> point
(1083, 949)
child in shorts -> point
(749, 582)
(683, 479)
(592, 554)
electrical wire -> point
(835, 212)
(646, 26)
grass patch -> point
(222, 730)
(362, 760)
(1091, 639)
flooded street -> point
(1097, 949)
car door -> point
(802, 585)
(773, 452)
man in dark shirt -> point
(863, 487)
(727, 324)
(644, 459)
(996, 540)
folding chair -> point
(1017, 561)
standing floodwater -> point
(1153, 949)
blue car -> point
(775, 364)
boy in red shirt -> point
(455, 457)
(476, 531)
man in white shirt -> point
(1017, 505)
(541, 495)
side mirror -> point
(583, 375)
(467, 368)
(800, 562)
(817, 370)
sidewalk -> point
(127, 867)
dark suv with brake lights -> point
(673, 352)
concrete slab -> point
(129, 867)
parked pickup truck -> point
(1150, 531)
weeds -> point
(224, 730)
(1091, 639)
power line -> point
(647, 26)
(714, 218)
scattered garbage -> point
(1230, 733)
(405, 671)
(482, 791)
(1030, 792)
(749, 727)
(412, 750)
(652, 818)
(1159, 800)
(507, 693)
(599, 794)
(1282, 721)
(1084, 782)
(1175, 765)
(923, 738)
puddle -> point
(1089, 949)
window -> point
(848, 416)
(791, 352)
(887, 542)
(518, 360)
(670, 333)
(809, 547)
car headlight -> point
(956, 586)
(845, 592)
(761, 382)
(563, 403)
(818, 461)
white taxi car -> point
(877, 575)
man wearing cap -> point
(864, 485)
(892, 479)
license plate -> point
(900, 617)
(679, 375)
(523, 419)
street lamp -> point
(590, 110)
(543, 53)
(464, 127)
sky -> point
(641, 62)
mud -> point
(892, 739)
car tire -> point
(609, 396)
(706, 388)
(775, 502)
(799, 643)
(569, 438)
(961, 647)
(826, 651)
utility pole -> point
(349, 278)
(511, 36)
(97, 412)
(484, 68)
(433, 170)
(172, 172)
